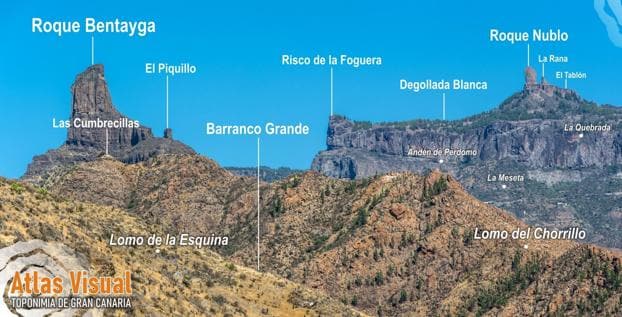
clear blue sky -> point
(237, 47)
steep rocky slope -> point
(561, 176)
(266, 174)
(389, 244)
(397, 244)
(527, 128)
(178, 281)
(95, 128)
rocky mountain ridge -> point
(97, 128)
(390, 245)
(532, 136)
(529, 128)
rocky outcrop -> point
(91, 101)
(529, 135)
(538, 141)
(535, 143)
(530, 77)
(531, 128)
(98, 128)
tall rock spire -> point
(90, 93)
(91, 103)
(97, 127)
(530, 76)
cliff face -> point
(91, 101)
(538, 142)
(96, 126)
(528, 135)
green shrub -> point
(379, 279)
(17, 188)
(361, 218)
(403, 296)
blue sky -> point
(237, 47)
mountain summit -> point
(550, 148)
(397, 244)
(97, 128)
(538, 127)
(91, 101)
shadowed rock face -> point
(539, 141)
(91, 102)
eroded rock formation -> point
(97, 128)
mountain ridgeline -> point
(384, 241)
(528, 128)
(391, 245)
(97, 128)
(557, 156)
(173, 282)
